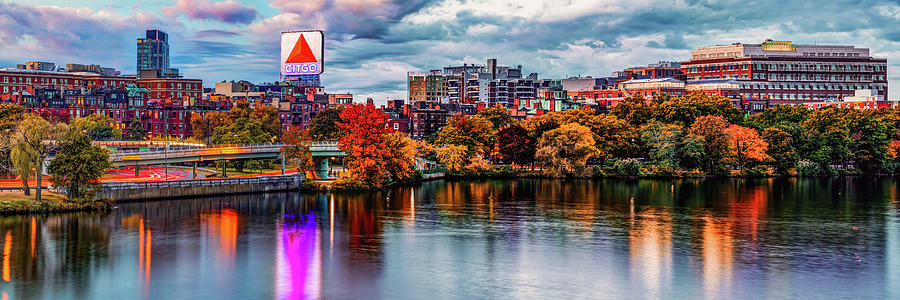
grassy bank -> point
(19, 203)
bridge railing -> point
(201, 182)
(161, 154)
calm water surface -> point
(684, 239)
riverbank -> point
(347, 185)
(12, 203)
(637, 171)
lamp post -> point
(166, 144)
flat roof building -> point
(786, 73)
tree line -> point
(690, 135)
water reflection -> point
(298, 263)
(650, 245)
(690, 238)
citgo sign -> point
(301, 52)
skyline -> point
(371, 44)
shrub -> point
(625, 167)
(808, 168)
(758, 171)
(652, 170)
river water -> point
(532, 239)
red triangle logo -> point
(301, 53)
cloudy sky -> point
(371, 44)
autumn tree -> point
(745, 146)
(686, 109)
(633, 109)
(78, 165)
(565, 151)
(538, 125)
(31, 133)
(364, 143)
(671, 146)
(453, 157)
(711, 130)
(497, 115)
(56, 116)
(296, 148)
(323, 127)
(474, 132)
(515, 144)
(401, 160)
(781, 150)
(268, 115)
(203, 125)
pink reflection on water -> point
(298, 259)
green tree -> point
(296, 148)
(78, 165)
(135, 131)
(869, 139)
(779, 115)
(711, 130)
(781, 150)
(827, 137)
(669, 145)
(564, 151)
(203, 125)
(323, 126)
(24, 162)
(663, 141)
(40, 137)
(10, 116)
(247, 125)
(97, 128)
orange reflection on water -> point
(147, 253)
(225, 223)
(749, 208)
(717, 256)
(33, 236)
(650, 244)
(140, 244)
(228, 231)
(7, 251)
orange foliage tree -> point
(745, 146)
(364, 143)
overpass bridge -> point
(320, 151)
